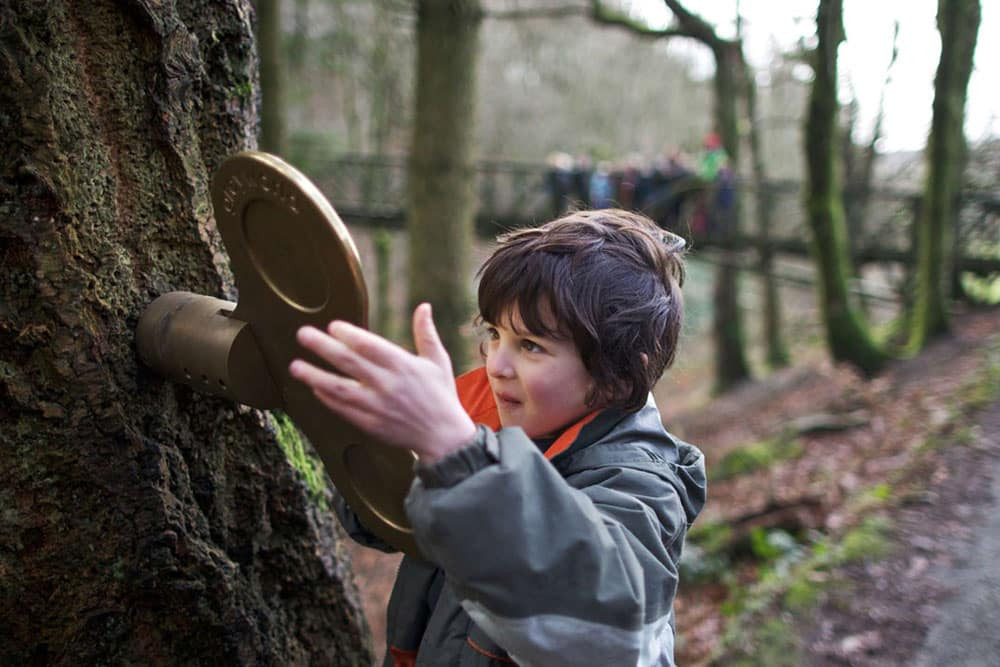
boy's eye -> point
(531, 346)
(492, 333)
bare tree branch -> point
(880, 116)
(686, 23)
(693, 25)
(605, 15)
(537, 12)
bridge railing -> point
(881, 224)
(372, 190)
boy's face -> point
(539, 383)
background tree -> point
(141, 523)
(774, 340)
(731, 364)
(441, 196)
(859, 162)
(847, 333)
(958, 23)
(272, 75)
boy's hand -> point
(403, 399)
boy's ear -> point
(645, 359)
(595, 397)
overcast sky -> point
(865, 56)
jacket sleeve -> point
(557, 571)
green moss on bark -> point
(958, 24)
(299, 454)
(847, 333)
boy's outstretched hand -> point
(407, 400)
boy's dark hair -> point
(609, 280)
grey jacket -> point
(568, 561)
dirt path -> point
(936, 600)
(967, 631)
(918, 441)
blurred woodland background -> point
(556, 92)
(807, 246)
(143, 523)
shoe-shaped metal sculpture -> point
(295, 264)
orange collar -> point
(477, 398)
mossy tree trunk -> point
(441, 174)
(731, 365)
(142, 523)
(847, 332)
(958, 24)
(272, 87)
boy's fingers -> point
(426, 338)
(339, 355)
(344, 396)
(322, 380)
(371, 346)
(359, 416)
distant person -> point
(559, 182)
(602, 188)
(670, 187)
(581, 172)
(715, 204)
(714, 158)
(549, 500)
(629, 185)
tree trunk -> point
(272, 98)
(731, 365)
(142, 523)
(730, 361)
(777, 350)
(846, 328)
(441, 178)
(958, 23)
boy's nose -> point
(498, 364)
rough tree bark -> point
(847, 332)
(141, 523)
(441, 179)
(958, 23)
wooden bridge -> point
(370, 191)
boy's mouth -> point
(506, 400)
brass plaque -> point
(295, 265)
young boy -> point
(548, 497)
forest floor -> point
(838, 507)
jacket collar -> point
(477, 398)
